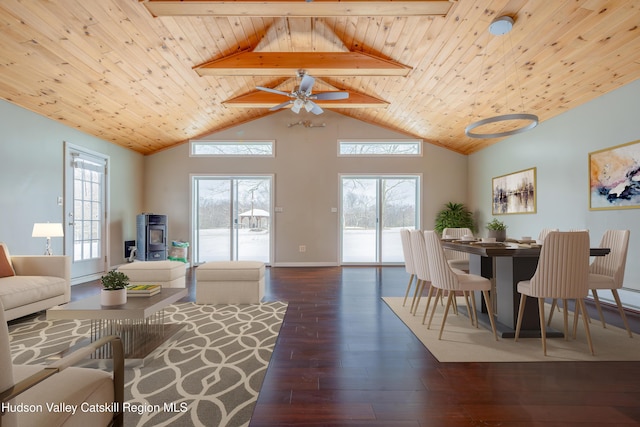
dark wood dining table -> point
(506, 264)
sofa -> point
(32, 283)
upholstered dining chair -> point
(562, 273)
(405, 238)
(607, 272)
(422, 269)
(543, 233)
(457, 259)
(60, 383)
(444, 278)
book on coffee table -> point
(143, 290)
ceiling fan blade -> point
(279, 106)
(331, 95)
(307, 84)
(267, 89)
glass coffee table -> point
(139, 323)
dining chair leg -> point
(576, 316)
(543, 331)
(487, 299)
(598, 307)
(621, 310)
(415, 309)
(523, 300)
(415, 295)
(433, 310)
(554, 307)
(465, 294)
(454, 302)
(429, 297)
(406, 294)
(583, 308)
(565, 318)
(473, 306)
(446, 311)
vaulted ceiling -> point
(125, 72)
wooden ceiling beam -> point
(261, 99)
(298, 8)
(313, 63)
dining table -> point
(506, 264)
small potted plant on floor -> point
(114, 288)
(497, 229)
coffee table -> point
(139, 323)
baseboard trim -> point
(305, 264)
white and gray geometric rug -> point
(210, 375)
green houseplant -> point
(114, 288)
(497, 229)
(454, 215)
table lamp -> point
(47, 230)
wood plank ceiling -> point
(113, 70)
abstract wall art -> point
(514, 193)
(614, 177)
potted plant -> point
(497, 229)
(114, 288)
(454, 215)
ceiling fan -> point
(301, 96)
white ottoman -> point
(169, 274)
(230, 282)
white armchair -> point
(42, 386)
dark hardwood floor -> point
(344, 359)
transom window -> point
(232, 148)
(406, 147)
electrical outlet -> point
(302, 248)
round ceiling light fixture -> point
(500, 26)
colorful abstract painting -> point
(614, 177)
(514, 193)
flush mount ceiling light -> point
(501, 26)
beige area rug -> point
(463, 343)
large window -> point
(409, 147)
(232, 148)
(374, 209)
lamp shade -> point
(47, 229)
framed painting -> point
(614, 177)
(514, 193)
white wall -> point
(559, 149)
(306, 184)
(32, 178)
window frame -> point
(235, 143)
(417, 142)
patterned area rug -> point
(209, 375)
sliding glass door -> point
(374, 208)
(231, 218)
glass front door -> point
(232, 218)
(85, 212)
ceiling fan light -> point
(308, 106)
(297, 105)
